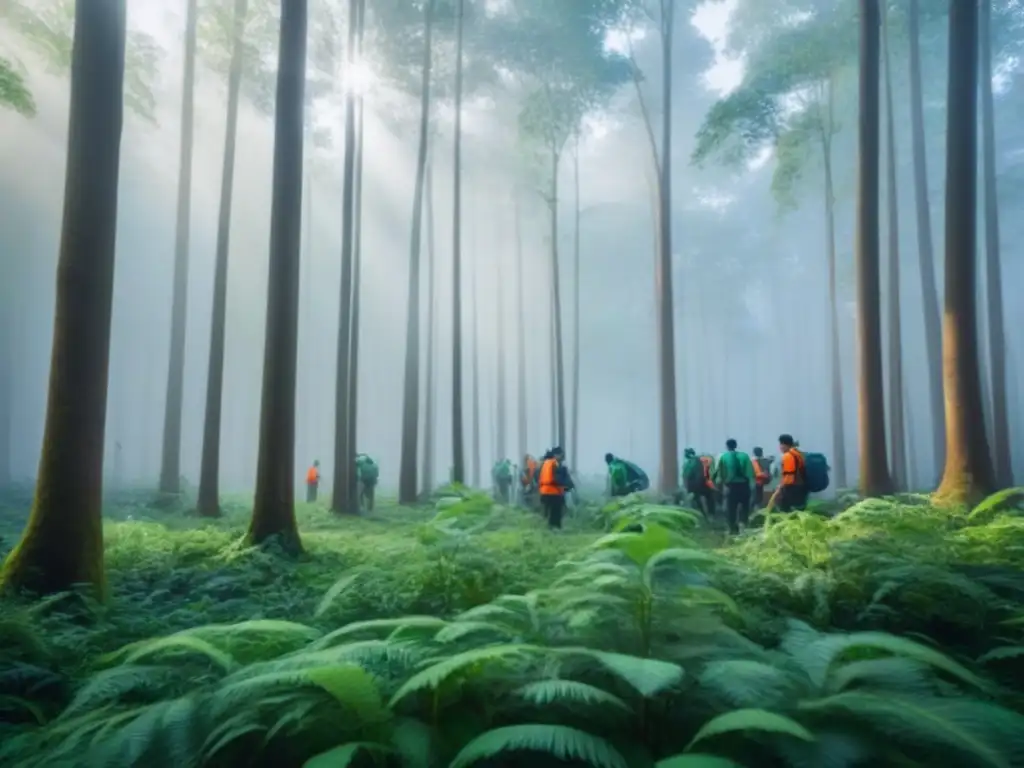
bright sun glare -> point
(359, 77)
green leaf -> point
(437, 673)
(558, 741)
(547, 692)
(696, 761)
(342, 756)
(760, 720)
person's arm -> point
(716, 471)
(750, 471)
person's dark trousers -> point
(758, 499)
(503, 487)
(554, 506)
(704, 500)
(311, 489)
(737, 505)
(367, 495)
(792, 497)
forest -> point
(316, 316)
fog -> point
(750, 281)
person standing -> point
(734, 474)
(312, 482)
(552, 484)
(762, 476)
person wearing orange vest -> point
(528, 479)
(552, 483)
(762, 476)
(792, 491)
(312, 482)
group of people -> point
(546, 480)
(737, 482)
(367, 474)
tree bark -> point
(273, 514)
(341, 500)
(352, 418)
(897, 413)
(209, 473)
(838, 422)
(993, 267)
(62, 544)
(6, 406)
(556, 309)
(458, 431)
(475, 363)
(429, 441)
(574, 451)
(925, 249)
(170, 462)
(501, 393)
(874, 463)
(411, 395)
(669, 461)
(524, 437)
(967, 476)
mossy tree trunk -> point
(458, 429)
(273, 514)
(407, 484)
(344, 493)
(967, 475)
(357, 269)
(874, 464)
(897, 431)
(209, 470)
(62, 545)
(925, 248)
(993, 260)
(170, 462)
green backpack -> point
(816, 470)
(369, 471)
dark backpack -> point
(694, 477)
(636, 478)
(815, 472)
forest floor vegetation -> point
(460, 633)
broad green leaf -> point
(758, 720)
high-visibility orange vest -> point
(313, 476)
(548, 484)
(529, 471)
(761, 477)
(793, 467)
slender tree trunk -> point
(925, 249)
(343, 461)
(524, 439)
(501, 387)
(556, 283)
(968, 472)
(574, 452)
(458, 432)
(6, 405)
(170, 463)
(429, 441)
(553, 338)
(669, 461)
(897, 413)
(209, 473)
(273, 514)
(352, 418)
(475, 363)
(838, 426)
(874, 463)
(993, 266)
(62, 544)
(411, 395)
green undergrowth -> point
(459, 633)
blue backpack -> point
(816, 471)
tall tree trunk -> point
(458, 432)
(343, 460)
(352, 418)
(968, 472)
(170, 462)
(411, 394)
(554, 368)
(874, 462)
(501, 394)
(475, 363)
(925, 249)
(429, 441)
(6, 404)
(273, 513)
(556, 309)
(62, 544)
(668, 480)
(524, 438)
(209, 472)
(838, 422)
(897, 413)
(574, 451)
(993, 267)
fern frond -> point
(696, 761)
(558, 741)
(379, 627)
(556, 691)
(440, 671)
(179, 644)
(109, 686)
(746, 720)
(748, 683)
(344, 755)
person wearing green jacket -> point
(501, 477)
(367, 473)
(734, 474)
